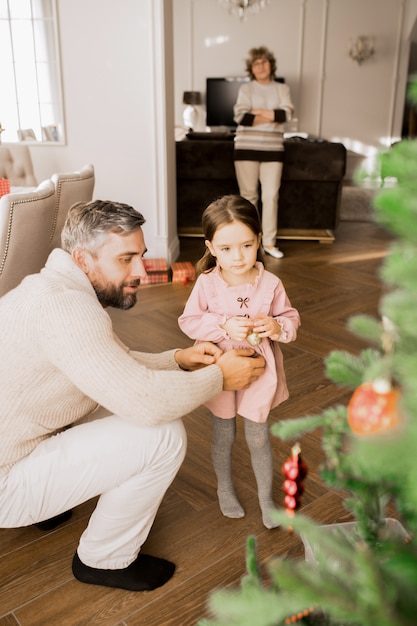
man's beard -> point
(114, 296)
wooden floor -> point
(328, 283)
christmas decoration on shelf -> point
(294, 470)
(373, 408)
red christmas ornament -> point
(294, 470)
(373, 408)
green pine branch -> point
(347, 369)
(369, 577)
(400, 266)
(341, 578)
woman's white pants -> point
(249, 174)
(129, 466)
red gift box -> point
(155, 265)
(157, 271)
(182, 272)
(4, 186)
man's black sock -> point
(50, 524)
(144, 574)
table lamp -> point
(190, 114)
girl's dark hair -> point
(226, 210)
(260, 53)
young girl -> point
(236, 303)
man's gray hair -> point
(88, 224)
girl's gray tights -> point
(257, 438)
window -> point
(30, 96)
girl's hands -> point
(238, 327)
(265, 326)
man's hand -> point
(240, 369)
(200, 355)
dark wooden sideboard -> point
(310, 191)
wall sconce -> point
(362, 49)
(190, 113)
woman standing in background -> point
(263, 106)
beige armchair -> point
(25, 229)
(16, 165)
(26, 134)
(73, 187)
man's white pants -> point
(249, 174)
(128, 465)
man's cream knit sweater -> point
(60, 359)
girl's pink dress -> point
(211, 302)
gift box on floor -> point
(182, 272)
(4, 186)
(157, 271)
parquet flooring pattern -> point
(328, 283)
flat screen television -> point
(221, 95)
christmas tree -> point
(367, 576)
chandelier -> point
(243, 8)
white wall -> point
(125, 64)
(115, 56)
(410, 17)
(334, 97)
